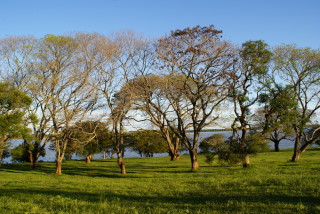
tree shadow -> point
(191, 201)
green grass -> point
(157, 185)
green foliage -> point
(256, 56)
(63, 42)
(208, 144)
(88, 138)
(147, 142)
(12, 99)
(5, 153)
(21, 153)
(209, 158)
(234, 150)
(281, 108)
(13, 104)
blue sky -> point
(275, 21)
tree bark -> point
(194, 160)
(174, 156)
(172, 146)
(88, 159)
(296, 153)
(296, 156)
(2, 145)
(34, 163)
(58, 167)
(123, 168)
(121, 164)
(104, 155)
(276, 146)
(34, 159)
(1, 153)
(246, 161)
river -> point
(50, 155)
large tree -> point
(278, 112)
(245, 87)
(149, 92)
(17, 56)
(87, 137)
(13, 106)
(119, 61)
(63, 68)
(195, 61)
(300, 69)
(147, 142)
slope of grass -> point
(156, 185)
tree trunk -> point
(104, 155)
(276, 146)
(88, 159)
(30, 157)
(296, 153)
(121, 164)
(2, 145)
(34, 159)
(173, 146)
(246, 161)
(296, 156)
(34, 163)
(58, 167)
(194, 160)
(122, 167)
(174, 156)
(1, 153)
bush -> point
(147, 142)
(210, 158)
(208, 144)
(233, 151)
(21, 152)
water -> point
(50, 155)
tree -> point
(148, 142)
(13, 105)
(245, 86)
(18, 58)
(105, 143)
(208, 144)
(120, 60)
(195, 62)
(233, 152)
(299, 68)
(22, 152)
(55, 71)
(87, 137)
(280, 109)
(64, 65)
(150, 98)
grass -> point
(157, 185)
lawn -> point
(157, 185)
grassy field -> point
(156, 185)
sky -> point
(274, 21)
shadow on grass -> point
(98, 168)
(67, 169)
(191, 201)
